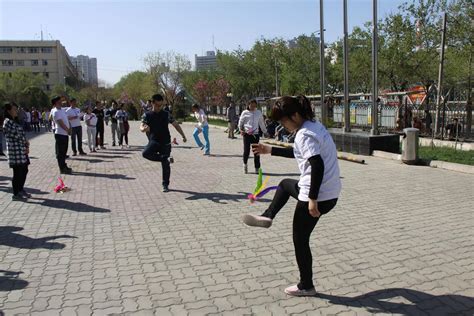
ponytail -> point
(287, 106)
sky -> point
(120, 33)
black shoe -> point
(113, 144)
(82, 153)
(2, 153)
(25, 194)
(67, 156)
(66, 171)
(73, 154)
(165, 188)
(18, 197)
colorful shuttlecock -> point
(260, 188)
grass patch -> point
(211, 121)
(447, 154)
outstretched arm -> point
(179, 129)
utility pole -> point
(324, 111)
(374, 130)
(440, 74)
(347, 116)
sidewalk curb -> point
(433, 163)
(387, 155)
(452, 166)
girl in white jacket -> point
(250, 123)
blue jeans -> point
(205, 132)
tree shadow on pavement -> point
(67, 205)
(216, 197)
(111, 156)
(9, 238)
(281, 174)
(418, 302)
(91, 160)
(103, 175)
(225, 156)
(9, 281)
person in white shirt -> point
(250, 123)
(91, 121)
(203, 127)
(74, 116)
(61, 134)
(316, 191)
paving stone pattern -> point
(400, 241)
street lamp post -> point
(347, 117)
(374, 130)
(324, 112)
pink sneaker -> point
(295, 291)
(257, 220)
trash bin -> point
(410, 146)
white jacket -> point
(249, 122)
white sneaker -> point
(246, 170)
(295, 291)
(257, 220)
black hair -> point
(72, 100)
(195, 105)
(114, 102)
(157, 97)
(7, 107)
(253, 101)
(287, 106)
(55, 99)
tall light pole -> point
(374, 130)
(324, 112)
(440, 74)
(276, 78)
(347, 116)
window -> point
(20, 62)
(6, 50)
(46, 74)
(7, 62)
(46, 49)
(34, 62)
(45, 62)
(33, 50)
(21, 50)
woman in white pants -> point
(91, 122)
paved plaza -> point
(400, 241)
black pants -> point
(303, 225)
(61, 150)
(122, 136)
(36, 127)
(248, 141)
(99, 140)
(76, 136)
(155, 151)
(19, 177)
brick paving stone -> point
(400, 240)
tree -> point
(459, 59)
(134, 87)
(14, 83)
(299, 66)
(168, 71)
